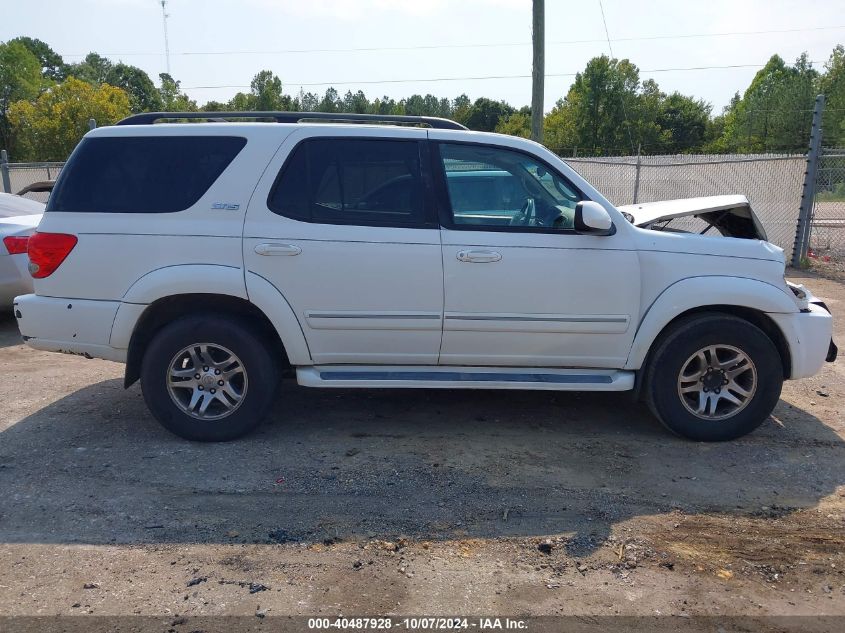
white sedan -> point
(19, 217)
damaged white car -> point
(19, 218)
(212, 258)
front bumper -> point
(832, 350)
(809, 334)
(70, 326)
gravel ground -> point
(414, 502)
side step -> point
(444, 377)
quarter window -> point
(495, 187)
(142, 174)
(352, 181)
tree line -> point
(45, 105)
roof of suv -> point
(252, 129)
(148, 118)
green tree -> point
(242, 102)
(485, 113)
(356, 103)
(597, 114)
(143, 95)
(684, 120)
(52, 65)
(517, 124)
(559, 133)
(461, 106)
(20, 80)
(385, 105)
(266, 87)
(832, 85)
(214, 106)
(775, 112)
(330, 102)
(92, 69)
(308, 101)
(645, 120)
(51, 126)
(174, 100)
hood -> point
(730, 215)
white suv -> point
(211, 257)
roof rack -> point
(148, 118)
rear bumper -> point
(810, 338)
(70, 326)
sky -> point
(216, 46)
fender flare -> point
(270, 300)
(688, 294)
(168, 281)
(215, 279)
(180, 279)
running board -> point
(444, 377)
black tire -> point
(258, 384)
(679, 344)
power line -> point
(621, 96)
(476, 78)
(369, 49)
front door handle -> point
(479, 257)
(278, 249)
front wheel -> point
(208, 379)
(714, 377)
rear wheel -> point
(714, 377)
(209, 379)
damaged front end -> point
(731, 216)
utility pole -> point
(164, 16)
(538, 73)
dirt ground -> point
(414, 502)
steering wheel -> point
(527, 214)
(548, 215)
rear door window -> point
(352, 181)
(143, 174)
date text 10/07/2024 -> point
(419, 624)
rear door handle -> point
(278, 249)
(479, 257)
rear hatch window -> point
(149, 174)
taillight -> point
(16, 244)
(47, 251)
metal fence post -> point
(92, 124)
(808, 192)
(637, 175)
(4, 168)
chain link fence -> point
(827, 223)
(771, 182)
(17, 176)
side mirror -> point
(593, 219)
